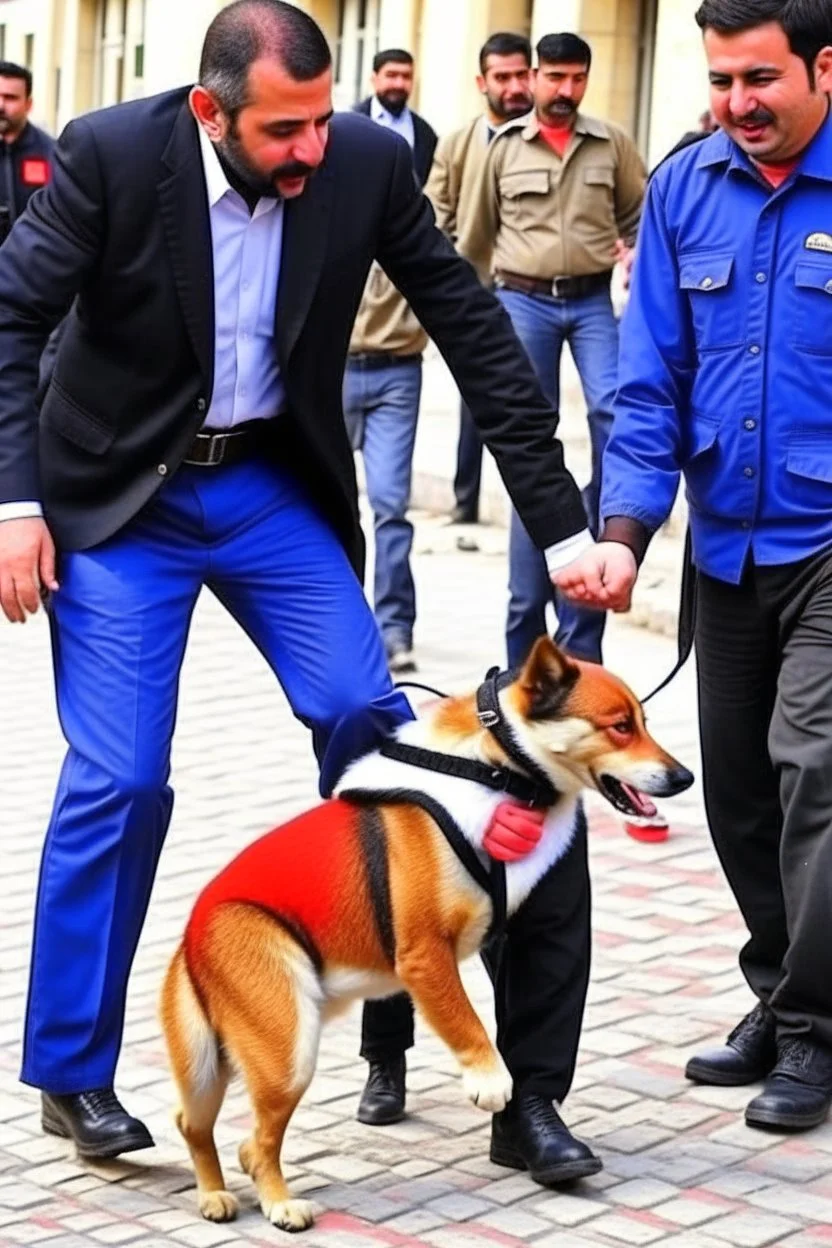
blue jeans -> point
(543, 324)
(468, 465)
(381, 407)
(120, 624)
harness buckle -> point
(488, 718)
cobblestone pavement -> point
(680, 1167)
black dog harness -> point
(530, 786)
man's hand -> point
(624, 255)
(603, 576)
(27, 567)
(514, 832)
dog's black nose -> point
(678, 779)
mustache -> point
(760, 117)
(291, 169)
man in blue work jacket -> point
(726, 377)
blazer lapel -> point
(183, 203)
(305, 237)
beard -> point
(395, 101)
(231, 153)
(509, 107)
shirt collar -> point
(816, 161)
(216, 183)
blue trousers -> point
(119, 627)
(543, 324)
(381, 408)
(468, 465)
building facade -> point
(89, 53)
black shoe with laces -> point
(530, 1135)
(382, 1101)
(798, 1092)
(746, 1057)
(96, 1121)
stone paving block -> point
(793, 1166)
(515, 1221)
(117, 1233)
(635, 1139)
(629, 1229)
(686, 1211)
(643, 1193)
(459, 1207)
(566, 1210)
(752, 1230)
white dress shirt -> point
(403, 124)
(247, 249)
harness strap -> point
(500, 779)
(490, 715)
(491, 879)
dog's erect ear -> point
(546, 678)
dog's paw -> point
(218, 1206)
(488, 1087)
(290, 1215)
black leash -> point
(500, 779)
(687, 618)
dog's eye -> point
(624, 728)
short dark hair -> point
(807, 24)
(8, 69)
(391, 56)
(246, 30)
(504, 43)
(564, 49)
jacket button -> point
(162, 470)
(754, 349)
(750, 424)
(707, 283)
(748, 472)
(201, 405)
(760, 277)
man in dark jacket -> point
(25, 151)
(393, 87)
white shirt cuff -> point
(562, 553)
(19, 511)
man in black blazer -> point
(392, 88)
(209, 248)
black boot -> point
(747, 1056)
(382, 1100)
(98, 1124)
(531, 1135)
(798, 1092)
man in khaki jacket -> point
(557, 203)
(504, 81)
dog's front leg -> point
(429, 971)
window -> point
(3, 42)
(29, 51)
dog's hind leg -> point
(201, 1077)
(271, 1024)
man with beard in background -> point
(392, 86)
(25, 151)
(505, 71)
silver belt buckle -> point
(216, 449)
(556, 281)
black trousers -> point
(540, 970)
(764, 658)
(468, 464)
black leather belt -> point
(213, 447)
(380, 359)
(556, 287)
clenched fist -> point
(603, 577)
(27, 567)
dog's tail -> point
(196, 1056)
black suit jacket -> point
(425, 139)
(123, 231)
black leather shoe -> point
(99, 1125)
(798, 1092)
(747, 1056)
(464, 515)
(530, 1135)
(382, 1100)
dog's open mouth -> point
(625, 798)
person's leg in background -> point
(538, 324)
(283, 574)
(391, 417)
(593, 341)
(468, 470)
(119, 627)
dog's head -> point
(586, 729)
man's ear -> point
(546, 679)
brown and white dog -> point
(353, 901)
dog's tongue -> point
(640, 801)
